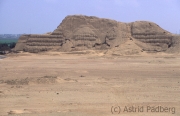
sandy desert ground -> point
(59, 84)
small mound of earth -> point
(46, 80)
(128, 48)
(17, 82)
(17, 112)
(39, 80)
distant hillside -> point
(10, 36)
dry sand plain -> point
(57, 84)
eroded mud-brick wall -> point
(78, 32)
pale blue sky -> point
(41, 16)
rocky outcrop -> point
(79, 32)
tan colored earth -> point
(90, 83)
(81, 32)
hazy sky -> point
(41, 16)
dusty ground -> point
(56, 84)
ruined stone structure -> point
(79, 32)
(151, 34)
